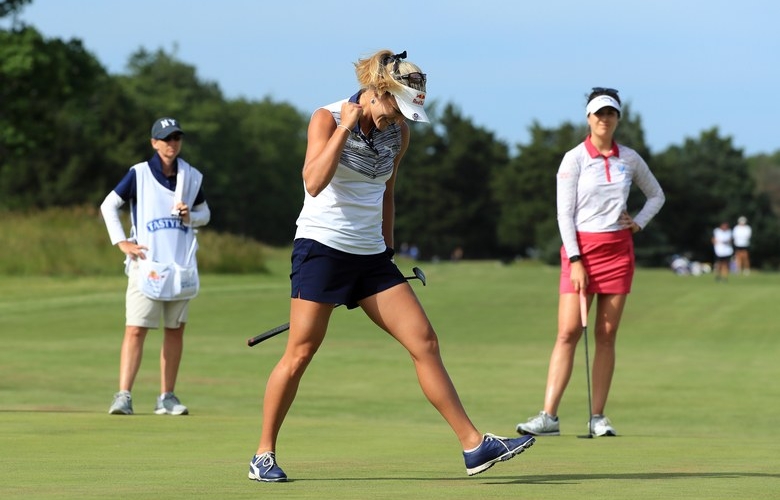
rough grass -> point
(74, 242)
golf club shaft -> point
(584, 317)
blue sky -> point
(684, 66)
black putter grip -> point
(273, 332)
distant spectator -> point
(697, 268)
(457, 254)
(681, 265)
(722, 246)
(741, 235)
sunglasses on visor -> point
(414, 80)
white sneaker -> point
(601, 426)
(122, 404)
(540, 425)
(169, 404)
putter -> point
(273, 332)
(418, 274)
(584, 317)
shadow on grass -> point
(562, 478)
(632, 476)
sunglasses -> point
(415, 80)
(604, 89)
(172, 137)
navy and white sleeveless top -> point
(347, 214)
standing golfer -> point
(723, 248)
(166, 203)
(597, 255)
(342, 254)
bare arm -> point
(325, 143)
(388, 202)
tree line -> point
(69, 131)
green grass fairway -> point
(696, 395)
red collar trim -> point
(594, 153)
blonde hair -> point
(380, 71)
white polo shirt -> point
(592, 191)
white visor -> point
(601, 101)
(410, 102)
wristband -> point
(345, 128)
(574, 259)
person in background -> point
(681, 265)
(343, 250)
(162, 230)
(741, 235)
(597, 256)
(723, 249)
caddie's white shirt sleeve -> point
(200, 215)
(110, 210)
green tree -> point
(524, 190)
(57, 121)
(765, 169)
(707, 181)
(12, 7)
(443, 197)
(257, 182)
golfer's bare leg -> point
(308, 324)
(398, 312)
(608, 313)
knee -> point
(175, 332)
(135, 332)
(296, 361)
(426, 346)
(568, 337)
(430, 343)
(606, 339)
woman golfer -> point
(342, 254)
(597, 255)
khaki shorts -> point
(142, 311)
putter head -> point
(419, 274)
(589, 435)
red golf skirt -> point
(608, 260)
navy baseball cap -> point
(164, 127)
